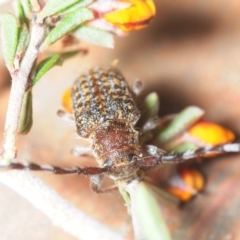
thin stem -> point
(60, 211)
(20, 80)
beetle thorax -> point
(116, 144)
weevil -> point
(105, 112)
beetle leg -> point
(155, 160)
(154, 151)
(57, 170)
(137, 87)
(151, 124)
(66, 116)
(201, 152)
(95, 183)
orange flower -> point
(186, 184)
(211, 133)
(121, 16)
(192, 178)
(66, 101)
(135, 17)
(200, 134)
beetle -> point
(105, 112)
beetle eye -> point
(108, 163)
(131, 156)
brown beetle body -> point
(106, 113)
(101, 95)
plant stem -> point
(20, 80)
(60, 211)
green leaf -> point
(55, 6)
(148, 213)
(180, 123)
(19, 10)
(146, 216)
(54, 60)
(69, 54)
(162, 195)
(76, 6)
(27, 8)
(183, 147)
(125, 195)
(149, 109)
(44, 66)
(9, 37)
(67, 25)
(35, 5)
(26, 119)
(24, 38)
(94, 36)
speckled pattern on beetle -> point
(105, 113)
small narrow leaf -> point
(161, 194)
(24, 38)
(44, 66)
(94, 36)
(9, 37)
(26, 120)
(181, 148)
(76, 6)
(23, 41)
(148, 213)
(181, 122)
(69, 54)
(147, 221)
(55, 6)
(18, 7)
(149, 109)
(125, 195)
(27, 8)
(67, 25)
(35, 5)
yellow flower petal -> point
(193, 178)
(211, 133)
(135, 17)
(66, 100)
(184, 195)
(192, 181)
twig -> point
(20, 80)
(61, 212)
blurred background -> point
(190, 55)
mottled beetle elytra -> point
(106, 113)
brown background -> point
(190, 54)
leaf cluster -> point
(58, 18)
